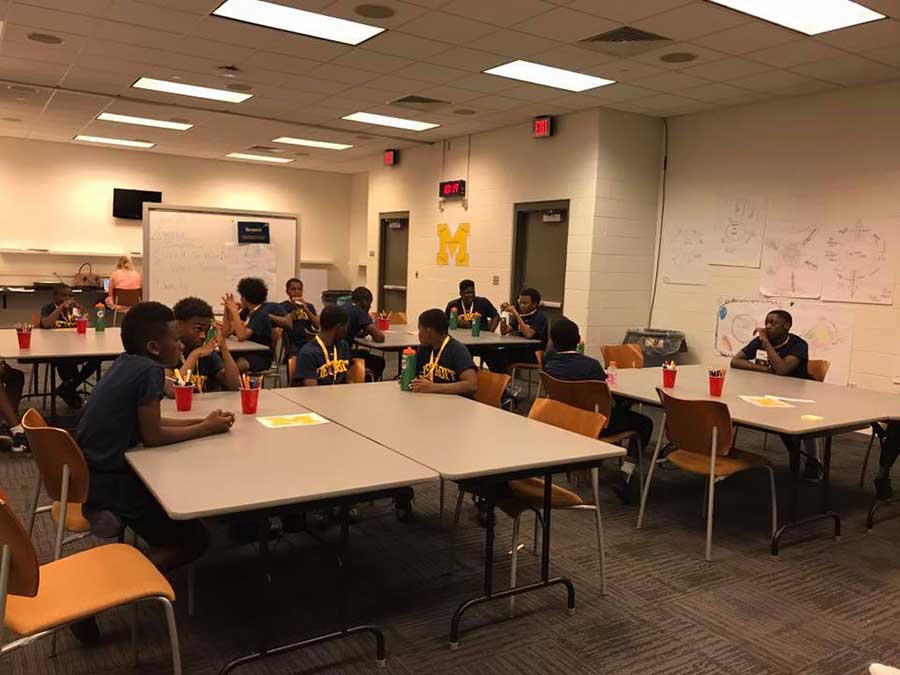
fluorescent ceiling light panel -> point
(299, 21)
(190, 90)
(807, 16)
(258, 158)
(388, 121)
(311, 144)
(143, 121)
(536, 73)
(114, 141)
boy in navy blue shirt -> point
(468, 304)
(250, 321)
(362, 325)
(297, 317)
(565, 362)
(325, 359)
(525, 320)
(445, 365)
(210, 359)
(123, 411)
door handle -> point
(551, 305)
(394, 288)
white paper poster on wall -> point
(246, 260)
(792, 260)
(857, 265)
(827, 329)
(683, 256)
(737, 235)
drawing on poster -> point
(856, 266)
(739, 229)
(683, 262)
(827, 329)
(792, 260)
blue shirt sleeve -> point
(798, 348)
(261, 325)
(460, 360)
(308, 363)
(488, 310)
(750, 350)
(150, 388)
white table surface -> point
(253, 467)
(401, 336)
(60, 343)
(455, 436)
(839, 407)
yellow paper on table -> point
(298, 420)
(766, 402)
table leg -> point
(890, 443)
(490, 495)
(52, 390)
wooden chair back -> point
(818, 369)
(593, 395)
(292, 368)
(539, 357)
(357, 372)
(689, 424)
(127, 297)
(625, 356)
(24, 571)
(491, 387)
(36, 320)
(277, 345)
(567, 417)
(52, 449)
(398, 318)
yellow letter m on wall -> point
(457, 244)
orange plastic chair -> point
(818, 369)
(625, 356)
(702, 433)
(292, 368)
(356, 374)
(36, 601)
(127, 298)
(490, 387)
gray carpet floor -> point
(821, 607)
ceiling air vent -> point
(420, 103)
(625, 42)
(264, 148)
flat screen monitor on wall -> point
(130, 203)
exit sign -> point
(452, 188)
(391, 157)
(543, 127)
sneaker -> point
(20, 443)
(883, 489)
(812, 472)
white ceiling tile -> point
(714, 92)
(171, 19)
(463, 58)
(367, 95)
(451, 93)
(773, 81)
(394, 83)
(372, 61)
(498, 13)
(884, 33)
(795, 53)
(330, 71)
(619, 92)
(486, 83)
(88, 79)
(50, 20)
(313, 85)
(16, 44)
(848, 70)
(572, 58)
(747, 38)
(727, 69)
(28, 70)
(886, 7)
(194, 6)
(513, 43)
(669, 82)
(625, 11)
(256, 37)
(533, 92)
(495, 102)
(565, 25)
(88, 7)
(691, 21)
(667, 103)
(281, 63)
(407, 46)
(702, 54)
(624, 70)
(888, 55)
(404, 12)
(430, 73)
(447, 28)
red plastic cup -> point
(184, 397)
(249, 401)
(383, 324)
(24, 339)
(716, 384)
(669, 378)
(81, 326)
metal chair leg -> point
(514, 561)
(712, 494)
(601, 543)
(191, 584)
(456, 514)
(441, 508)
(173, 636)
(535, 541)
(36, 495)
(646, 491)
(765, 441)
(133, 621)
(862, 474)
(63, 509)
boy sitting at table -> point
(525, 320)
(777, 351)
(209, 359)
(564, 362)
(445, 365)
(12, 382)
(123, 411)
(297, 317)
(325, 359)
(249, 321)
(468, 304)
(62, 313)
(362, 325)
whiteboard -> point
(192, 250)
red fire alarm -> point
(543, 126)
(391, 157)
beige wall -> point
(823, 159)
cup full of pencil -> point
(383, 321)
(669, 371)
(250, 387)
(23, 333)
(716, 381)
(184, 391)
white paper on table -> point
(297, 420)
(765, 401)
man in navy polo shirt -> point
(468, 304)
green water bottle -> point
(454, 318)
(407, 368)
(476, 325)
(100, 325)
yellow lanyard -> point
(433, 362)
(329, 362)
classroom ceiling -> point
(433, 48)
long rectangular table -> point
(256, 469)
(821, 411)
(463, 440)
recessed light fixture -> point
(298, 21)
(388, 121)
(190, 90)
(258, 158)
(311, 144)
(143, 121)
(464, 111)
(804, 16)
(238, 86)
(45, 38)
(548, 76)
(114, 141)
(678, 57)
(374, 11)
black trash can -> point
(333, 297)
(657, 344)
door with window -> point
(394, 257)
(539, 258)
